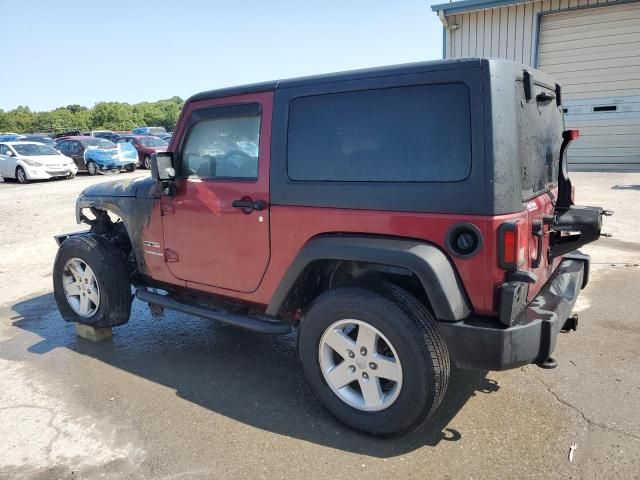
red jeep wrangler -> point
(400, 218)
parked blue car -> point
(155, 131)
(97, 155)
(116, 158)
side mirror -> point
(162, 170)
(10, 153)
(162, 166)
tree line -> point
(102, 116)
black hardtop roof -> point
(403, 69)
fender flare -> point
(426, 261)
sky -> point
(56, 53)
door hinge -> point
(168, 209)
(170, 255)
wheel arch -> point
(134, 213)
(429, 264)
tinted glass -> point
(98, 143)
(224, 147)
(540, 126)
(412, 134)
(152, 142)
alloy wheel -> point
(360, 365)
(81, 287)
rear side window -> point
(403, 134)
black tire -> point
(71, 176)
(147, 162)
(21, 175)
(110, 269)
(92, 167)
(414, 334)
(131, 168)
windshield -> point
(152, 142)
(98, 142)
(28, 149)
(46, 140)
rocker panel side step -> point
(254, 324)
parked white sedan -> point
(26, 161)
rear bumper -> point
(484, 343)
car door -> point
(76, 151)
(7, 162)
(216, 227)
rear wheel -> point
(90, 282)
(21, 175)
(374, 357)
(92, 167)
(147, 162)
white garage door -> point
(594, 54)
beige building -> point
(592, 47)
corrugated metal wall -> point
(504, 32)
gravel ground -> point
(187, 398)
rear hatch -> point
(540, 126)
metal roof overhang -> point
(452, 8)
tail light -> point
(511, 245)
(570, 135)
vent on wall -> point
(605, 108)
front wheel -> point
(92, 167)
(21, 175)
(91, 283)
(147, 162)
(374, 357)
(130, 168)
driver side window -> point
(223, 147)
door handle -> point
(249, 205)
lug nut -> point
(351, 354)
(363, 351)
(365, 375)
(373, 366)
(352, 369)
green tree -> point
(103, 115)
(22, 118)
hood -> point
(137, 187)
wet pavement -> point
(183, 397)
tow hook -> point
(571, 323)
